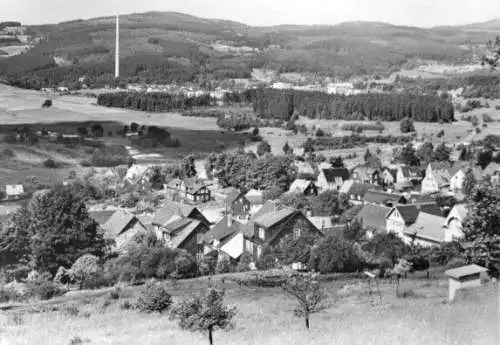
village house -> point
(458, 172)
(356, 191)
(365, 174)
(332, 179)
(231, 239)
(192, 190)
(407, 174)
(454, 223)
(237, 204)
(269, 226)
(388, 177)
(123, 227)
(14, 191)
(420, 224)
(304, 187)
(492, 171)
(372, 217)
(437, 178)
(180, 226)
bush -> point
(455, 263)
(47, 103)
(153, 298)
(44, 290)
(7, 153)
(407, 125)
(126, 305)
(116, 293)
(52, 164)
(487, 118)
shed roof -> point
(464, 271)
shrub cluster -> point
(153, 298)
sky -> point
(423, 13)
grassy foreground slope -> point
(266, 317)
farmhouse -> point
(122, 227)
(193, 190)
(332, 179)
(183, 233)
(304, 187)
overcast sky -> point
(423, 13)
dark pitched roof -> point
(194, 185)
(101, 217)
(171, 209)
(440, 166)
(222, 230)
(409, 213)
(433, 209)
(420, 199)
(410, 172)
(393, 172)
(380, 197)
(233, 196)
(117, 223)
(183, 233)
(373, 216)
(332, 174)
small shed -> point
(463, 277)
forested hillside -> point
(172, 47)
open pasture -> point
(265, 316)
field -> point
(21, 108)
(265, 316)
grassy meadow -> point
(265, 316)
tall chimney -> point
(117, 48)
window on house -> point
(259, 251)
(262, 233)
(296, 233)
(249, 246)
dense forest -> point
(283, 104)
(152, 101)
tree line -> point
(283, 104)
(153, 101)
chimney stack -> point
(229, 219)
(117, 48)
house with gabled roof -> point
(181, 226)
(407, 174)
(427, 230)
(14, 191)
(437, 178)
(122, 227)
(388, 176)
(373, 218)
(237, 204)
(366, 174)
(356, 191)
(193, 190)
(400, 217)
(422, 224)
(275, 223)
(453, 225)
(304, 187)
(332, 179)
